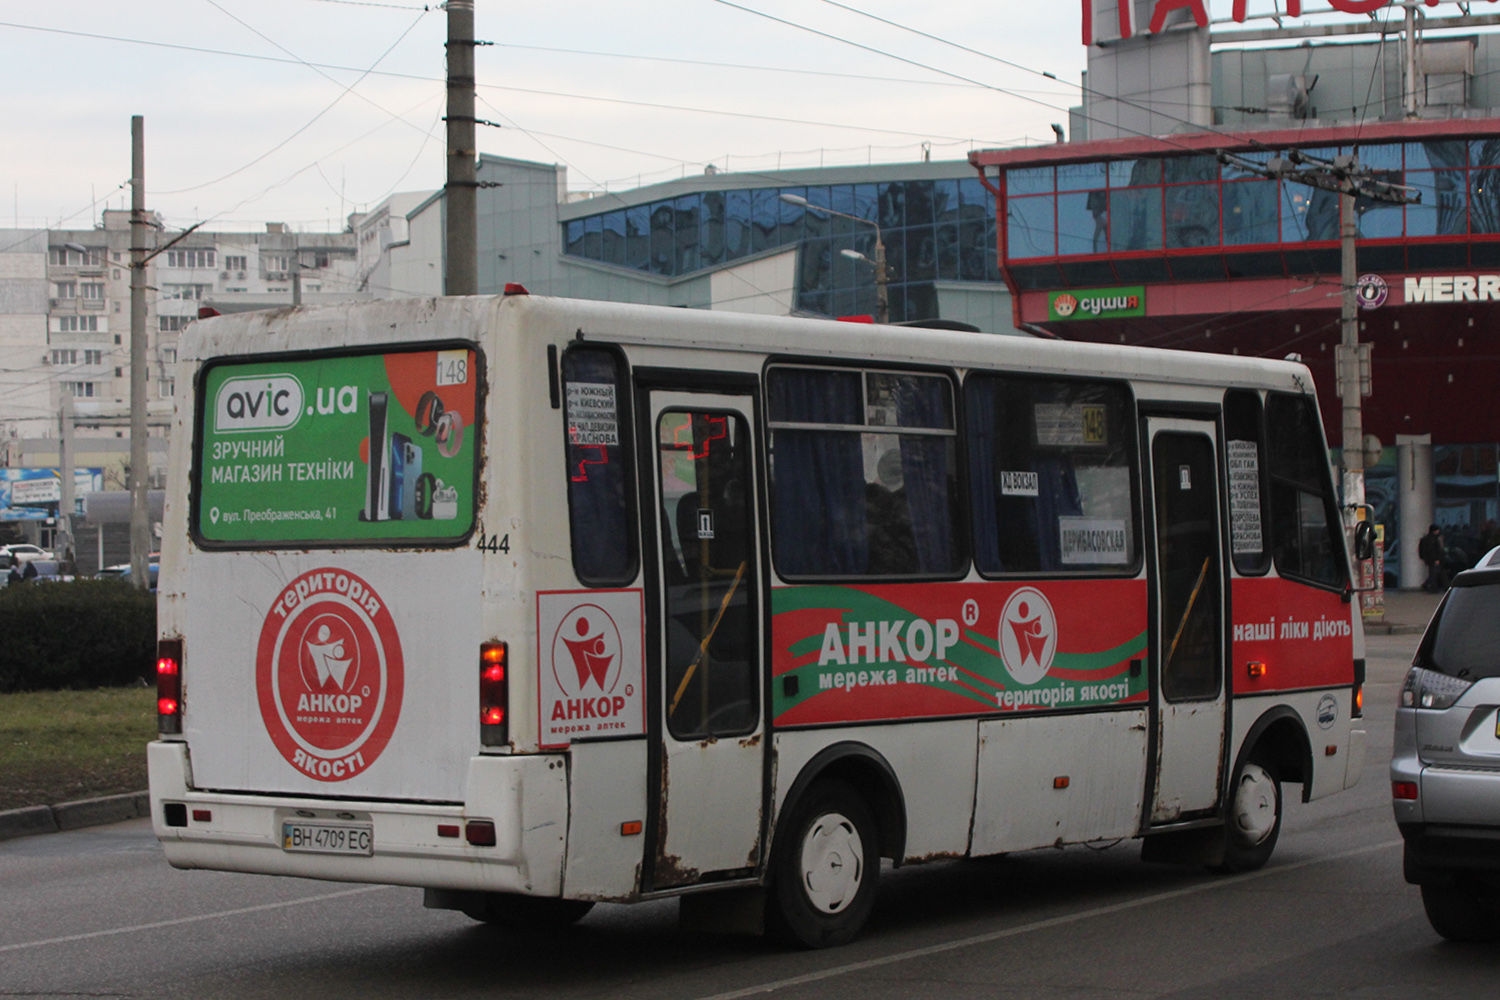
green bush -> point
(85, 634)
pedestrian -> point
(1430, 551)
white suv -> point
(1445, 769)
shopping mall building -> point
(1143, 234)
(1132, 231)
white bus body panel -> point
(933, 762)
(1331, 772)
(526, 797)
(606, 791)
(1019, 806)
(436, 605)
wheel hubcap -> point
(833, 860)
(1254, 814)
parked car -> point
(24, 552)
(121, 571)
(37, 571)
(1445, 769)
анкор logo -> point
(328, 674)
(587, 649)
(1028, 635)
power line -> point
(310, 122)
(958, 76)
(904, 81)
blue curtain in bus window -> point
(925, 466)
(1057, 497)
(818, 485)
(979, 402)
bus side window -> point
(1244, 449)
(1304, 516)
(1050, 475)
(598, 468)
(864, 473)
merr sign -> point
(1199, 10)
(1453, 288)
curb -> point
(33, 820)
(1394, 629)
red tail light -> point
(494, 695)
(1404, 790)
(169, 686)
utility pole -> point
(62, 544)
(1409, 62)
(1344, 176)
(461, 246)
(1352, 359)
(140, 529)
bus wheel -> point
(1253, 819)
(824, 866)
(528, 912)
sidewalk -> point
(73, 815)
(1406, 612)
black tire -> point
(1252, 818)
(824, 866)
(528, 913)
(1459, 914)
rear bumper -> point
(1435, 852)
(526, 797)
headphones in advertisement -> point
(435, 421)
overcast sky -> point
(302, 111)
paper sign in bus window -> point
(592, 419)
(1019, 484)
(1094, 541)
(1244, 497)
(1065, 425)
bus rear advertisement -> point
(535, 604)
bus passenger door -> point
(706, 722)
(1188, 696)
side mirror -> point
(1364, 540)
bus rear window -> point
(368, 448)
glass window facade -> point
(933, 230)
(1189, 202)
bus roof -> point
(390, 321)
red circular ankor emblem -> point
(328, 674)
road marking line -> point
(189, 920)
(1099, 911)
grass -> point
(56, 746)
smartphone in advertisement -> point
(411, 462)
(399, 445)
(377, 493)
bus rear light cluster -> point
(494, 695)
(480, 832)
(169, 686)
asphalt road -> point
(99, 913)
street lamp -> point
(882, 297)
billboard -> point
(33, 494)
